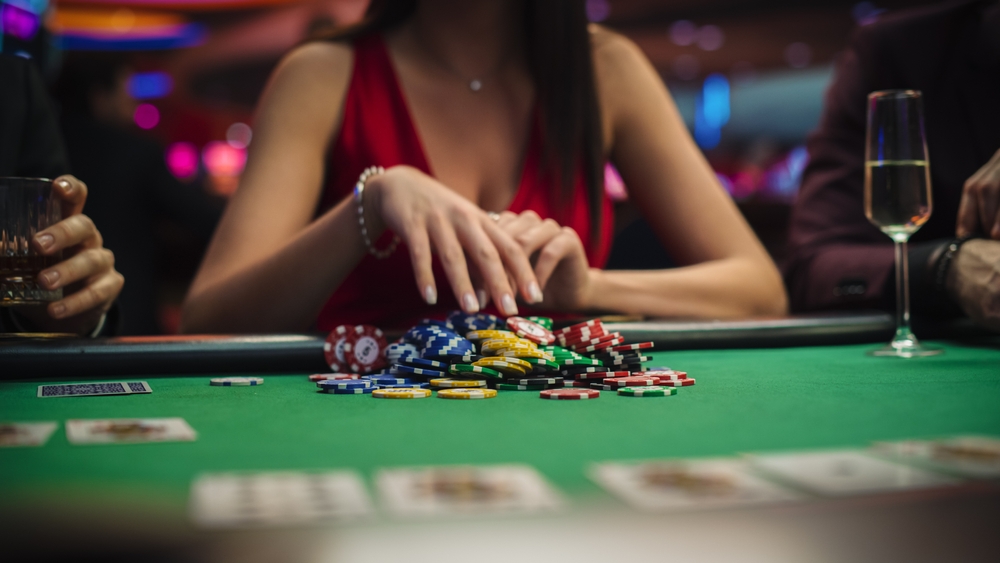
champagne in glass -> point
(898, 194)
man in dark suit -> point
(839, 260)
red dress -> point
(377, 130)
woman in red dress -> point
(492, 121)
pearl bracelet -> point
(359, 199)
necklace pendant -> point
(475, 85)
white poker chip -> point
(237, 381)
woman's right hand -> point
(431, 218)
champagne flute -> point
(898, 194)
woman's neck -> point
(470, 36)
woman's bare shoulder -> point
(614, 54)
(317, 62)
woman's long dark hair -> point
(562, 67)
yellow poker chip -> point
(481, 335)
(457, 383)
(401, 393)
(467, 393)
(508, 370)
(508, 360)
(490, 347)
(525, 353)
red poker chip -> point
(530, 330)
(579, 327)
(666, 373)
(676, 382)
(363, 349)
(333, 348)
(581, 383)
(592, 375)
(672, 377)
(568, 339)
(630, 347)
(333, 376)
(594, 339)
(569, 393)
(632, 381)
(599, 346)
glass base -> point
(905, 345)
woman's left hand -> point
(86, 274)
(558, 257)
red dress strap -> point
(377, 129)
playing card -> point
(977, 457)
(24, 434)
(687, 484)
(846, 472)
(465, 489)
(94, 389)
(234, 500)
(129, 430)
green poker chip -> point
(542, 363)
(650, 391)
(469, 369)
(543, 321)
(581, 361)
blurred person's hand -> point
(974, 281)
(430, 218)
(87, 273)
(558, 255)
(979, 210)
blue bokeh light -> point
(150, 85)
(711, 111)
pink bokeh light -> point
(223, 159)
(146, 116)
(182, 160)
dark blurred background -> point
(172, 85)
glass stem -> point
(902, 290)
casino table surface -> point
(745, 400)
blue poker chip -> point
(405, 386)
(345, 384)
(389, 380)
(408, 370)
(355, 391)
(422, 363)
(434, 322)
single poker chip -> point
(353, 391)
(422, 363)
(347, 384)
(460, 358)
(404, 386)
(585, 334)
(603, 387)
(625, 361)
(581, 384)
(236, 381)
(666, 377)
(401, 393)
(336, 376)
(666, 371)
(438, 323)
(573, 370)
(467, 393)
(648, 391)
(569, 393)
(582, 362)
(542, 364)
(595, 376)
(388, 380)
(545, 322)
(676, 382)
(599, 346)
(399, 369)
(482, 335)
(525, 353)
(514, 387)
(494, 346)
(504, 361)
(363, 349)
(596, 339)
(457, 383)
(630, 347)
(587, 325)
(469, 369)
(535, 381)
(632, 381)
(529, 330)
(333, 348)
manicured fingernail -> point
(483, 297)
(430, 295)
(470, 302)
(509, 307)
(50, 278)
(66, 186)
(58, 310)
(45, 240)
(535, 292)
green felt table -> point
(744, 401)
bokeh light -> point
(598, 10)
(238, 135)
(710, 38)
(146, 116)
(182, 160)
(683, 33)
(149, 85)
(798, 55)
(223, 159)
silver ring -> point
(494, 216)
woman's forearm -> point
(728, 288)
(285, 290)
